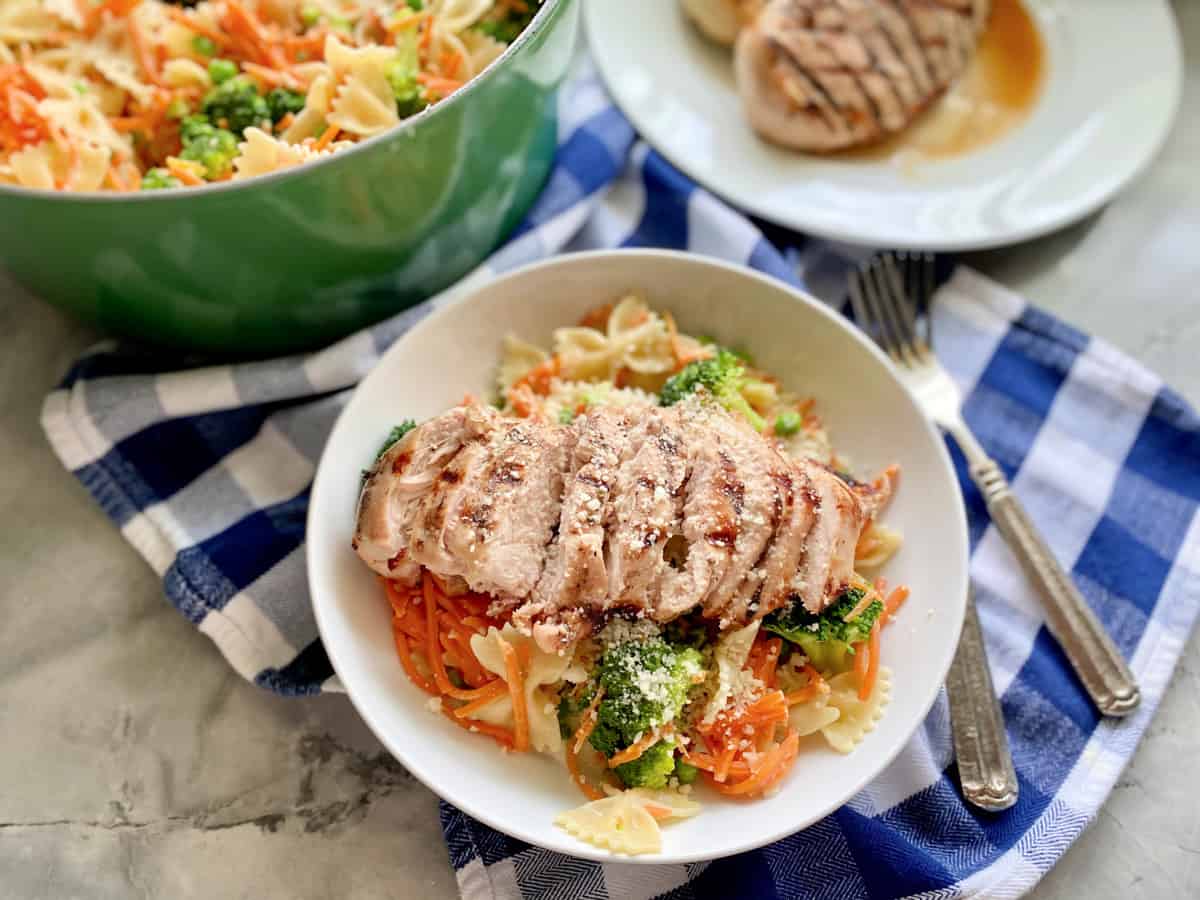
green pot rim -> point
(535, 26)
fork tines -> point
(888, 295)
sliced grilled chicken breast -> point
(655, 511)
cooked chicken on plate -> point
(823, 75)
(721, 20)
(659, 511)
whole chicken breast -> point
(823, 75)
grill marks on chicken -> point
(827, 74)
(562, 524)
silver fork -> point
(882, 294)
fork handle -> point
(985, 766)
(1091, 652)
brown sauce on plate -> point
(995, 93)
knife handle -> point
(1091, 652)
(985, 766)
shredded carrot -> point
(868, 598)
(516, 688)
(273, 77)
(597, 317)
(538, 378)
(450, 62)
(327, 137)
(768, 659)
(246, 24)
(182, 170)
(772, 767)
(114, 175)
(189, 21)
(893, 603)
(860, 661)
(410, 666)
(439, 85)
(635, 750)
(492, 691)
(867, 684)
(586, 725)
(143, 51)
(500, 735)
(724, 761)
(128, 124)
(816, 684)
(433, 647)
(455, 609)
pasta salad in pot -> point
(126, 95)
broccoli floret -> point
(157, 179)
(651, 769)
(827, 639)
(722, 375)
(402, 77)
(281, 101)
(396, 434)
(507, 23)
(646, 684)
(236, 104)
(685, 772)
(212, 147)
(566, 416)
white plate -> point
(456, 350)
(1113, 82)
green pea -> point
(204, 45)
(221, 70)
(788, 423)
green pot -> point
(304, 256)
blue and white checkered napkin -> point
(207, 472)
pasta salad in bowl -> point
(652, 546)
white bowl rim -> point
(580, 850)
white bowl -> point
(871, 417)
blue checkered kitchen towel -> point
(207, 472)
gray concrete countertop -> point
(135, 763)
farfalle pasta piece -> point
(730, 655)
(665, 805)
(857, 717)
(517, 360)
(260, 153)
(123, 73)
(619, 823)
(634, 338)
(186, 73)
(359, 110)
(82, 120)
(482, 50)
(310, 121)
(363, 103)
(812, 716)
(26, 21)
(456, 15)
(878, 544)
(44, 166)
(544, 669)
(67, 11)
